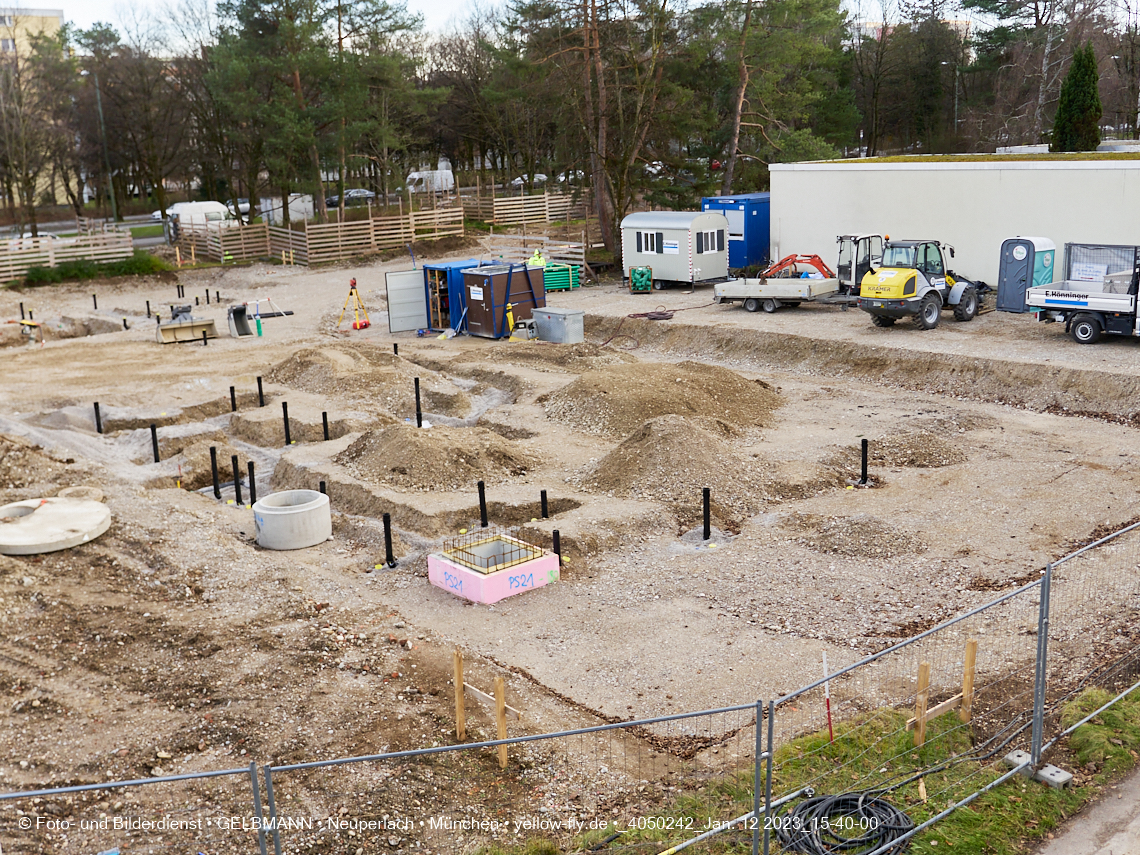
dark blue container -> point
(749, 221)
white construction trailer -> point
(682, 247)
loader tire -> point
(967, 308)
(929, 312)
(880, 321)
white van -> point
(199, 215)
(431, 181)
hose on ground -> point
(849, 822)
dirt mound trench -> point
(920, 449)
(617, 400)
(23, 464)
(861, 536)
(266, 428)
(195, 462)
(1022, 384)
(441, 458)
(546, 356)
(365, 373)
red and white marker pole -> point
(827, 699)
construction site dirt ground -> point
(173, 643)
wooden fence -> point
(517, 210)
(522, 247)
(316, 244)
(19, 255)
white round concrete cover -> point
(46, 525)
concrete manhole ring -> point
(47, 525)
(292, 519)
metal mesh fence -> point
(214, 814)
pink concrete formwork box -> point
(485, 566)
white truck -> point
(783, 284)
(1090, 309)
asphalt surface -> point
(1110, 826)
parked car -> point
(183, 215)
(157, 215)
(539, 178)
(357, 196)
(242, 207)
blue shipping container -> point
(749, 217)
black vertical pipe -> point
(148, 308)
(214, 471)
(98, 419)
(482, 505)
(252, 484)
(863, 468)
(31, 317)
(95, 301)
(207, 297)
(233, 400)
(395, 347)
(154, 441)
(419, 412)
(558, 546)
(260, 394)
(22, 312)
(545, 509)
(237, 478)
(285, 415)
(325, 423)
(196, 303)
(204, 342)
(706, 494)
(323, 489)
(217, 296)
(125, 323)
(389, 558)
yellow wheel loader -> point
(913, 281)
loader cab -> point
(858, 254)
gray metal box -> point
(561, 326)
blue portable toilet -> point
(749, 220)
(1026, 262)
(446, 294)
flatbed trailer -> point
(771, 294)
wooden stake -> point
(920, 704)
(460, 712)
(922, 789)
(967, 709)
(501, 718)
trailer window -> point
(706, 241)
(647, 242)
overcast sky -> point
(437, 13)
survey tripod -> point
(357, 309)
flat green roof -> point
(994, 158)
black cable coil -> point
(849, 822)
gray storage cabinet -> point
(680, 246)
(561, 326)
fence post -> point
(966, 710)
(1042, 666)
(920, 704)
(501, 718)
(460, 710)
(267, 769)
(257, 807)
(756, 778)
(768, 775)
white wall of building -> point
(973, 206)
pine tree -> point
(1077, 124)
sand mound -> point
(617, 399)
(860, 536)
(921, 449)
(439, 458)
(671, 459)
(365, 373)
(547, 356)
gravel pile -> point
(617, 400)
(670, 459)
(921, 449)
(439, 458)
(861, 536)
(361, 373)
(545, 356)
(23, 464)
